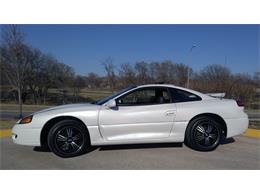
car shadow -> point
(47, 149)
(140, 146)
(118, 147)
(132, 146)
(227, 141)
(41, 149)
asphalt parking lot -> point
(237, 153)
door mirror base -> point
(110, 104)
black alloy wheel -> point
(68, 138)
(203, 134)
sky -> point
(84, 47)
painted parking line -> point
(5, 133)
(249, 132)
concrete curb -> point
(5, 133)
(252, 133)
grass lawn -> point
(26, 108)
(7, 124)
(93, 94)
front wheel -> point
(203, 134)
(68, 138)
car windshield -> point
(104, 100)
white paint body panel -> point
(136, 124)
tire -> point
(68, 138)
(203, 134)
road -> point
(238, 153)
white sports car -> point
(153, 113)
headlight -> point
(26, 119)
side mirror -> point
(111, 104)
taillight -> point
(240, 103)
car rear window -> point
(179, 95)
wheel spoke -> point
(212, 136)
(69, 140)
(61, 138)
(76, 137)
(206, 134)
(200, 129)
(74, 145)
(65, 146)
(209, 129)
(69, 132)
(207, 141)
(200, 137)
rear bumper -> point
(236, 126)
(23, 135)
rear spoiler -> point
(216, 95)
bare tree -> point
(257, 79)
(15, 59)
(61, 76)
(243, 88)
(160, 71)
(46, 72)
(181, 74)
(142, 72)
(93, 80)
(127, 75)
(78, 84)
(110, 71)
(34, 77)
(215, 78)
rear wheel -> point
(68, 138)
(203, 134)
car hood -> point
(69, 108)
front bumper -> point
(24, 135)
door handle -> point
(169, 112)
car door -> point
(144, 113)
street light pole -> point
(188, 73)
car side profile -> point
(153, 113)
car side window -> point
(179, 95)
(145, 96)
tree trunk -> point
(34, 92)
(45, 95)
(35, 97)
(20, 102)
